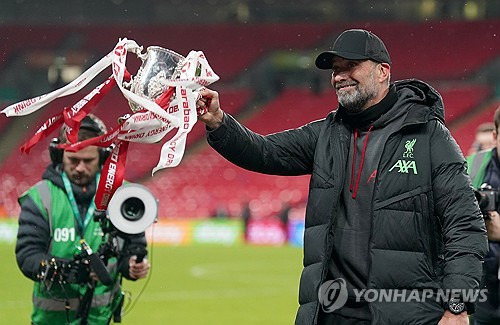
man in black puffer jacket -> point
(390, 203)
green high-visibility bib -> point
(49, 305)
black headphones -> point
(88, 123)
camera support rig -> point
(132, 209)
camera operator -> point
(56, 214)
(484, 168)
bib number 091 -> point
(64, 234)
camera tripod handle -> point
(96, 264)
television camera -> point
(487, 198)
(131, 210)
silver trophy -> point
(159, 65)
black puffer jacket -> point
(427, 231)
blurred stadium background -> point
(264, 52)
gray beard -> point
(355, 101)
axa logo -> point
(405, 166)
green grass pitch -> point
(190, 285)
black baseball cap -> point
(355, 44)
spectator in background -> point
(390, 203)
(484, 168)
(246, 216)
(220, 212)
(284, 217)
(484, 138)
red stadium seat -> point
(459, 100)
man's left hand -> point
(451, 319)
(138, 270)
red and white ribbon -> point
(112, 175)
(47, 128)
(73, 115)
(149, 125)
(31, 105)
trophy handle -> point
(140, 55)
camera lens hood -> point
(132, 209)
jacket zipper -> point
(329, 243)
(371, 217)
(430, 225)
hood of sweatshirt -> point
(421, 100)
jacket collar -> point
(421, 101)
